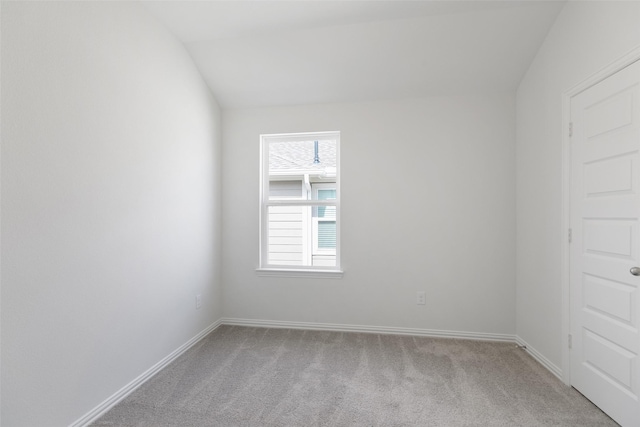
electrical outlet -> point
(198, 301)
(422, 298)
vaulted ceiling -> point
(265, 53)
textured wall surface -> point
(110, 204)
(428, 204)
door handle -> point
(635, 271)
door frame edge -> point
(609, 70)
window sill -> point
(310, 274)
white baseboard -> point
(369, 329)
(540, 358)
(101, 409)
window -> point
(300, 203)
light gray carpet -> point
(241, 376)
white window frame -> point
(266, 269)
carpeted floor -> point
(241, 376)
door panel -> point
(605, 213)
(609, 238)
(609, 176)
(608, 298)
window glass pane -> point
(326, 194)
(287, 235)
(291, 234)
(326, 234)
(326, 212)
(300, 162)
(286, 190)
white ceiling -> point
(264, 53)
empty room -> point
(319, 213)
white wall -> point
(110, 204)
(586, 37)
(428, 203)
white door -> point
(605, 210)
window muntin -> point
(299, 224)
